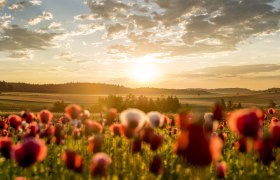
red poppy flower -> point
(99, 164)
(28, 116)
(156, 166)
(110, 116)
(146, 134)
(221, 170)
(5, 146)
(271, 111)
(73, 110)
(14, 121)
(275, 135)
(245, 122)
(64, 119)
(59, 134)
(136, 145)
(264, 147)
(30, 152)
(198, 150)
(3, 124)
(92, 127)
(155, 119)
(133, 119)
(155, 141)
(182, 120)
(32, 129)
(96, 143)
(116, 129)
(45, 116)
(73, 161)
(218, 112)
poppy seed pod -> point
(14, 121)
(6, 146)
(99, 164)
(45, 116)
(30, 152)
(73, 110)
(73, 161)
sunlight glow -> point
(144, 71)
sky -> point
(139, 43)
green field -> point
(17, 101)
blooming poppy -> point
(28, 116)
(221, 170)
(73, 160)
(245, 122)
(136, 145)
(95, 143)
(155, 119)
(218, 112)
(264, 148)
(73, 110)
(64, 119)
(3, 124)
(92, 127)
(156, 165)
(99, 164)
(133, 118)
(31, 151)
(271, 111)
(5, 146)
(110, 116)
(14, 121)
(116, 129)
(45, 116)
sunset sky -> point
(158, 43)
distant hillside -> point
(91, 88)
(230, 91)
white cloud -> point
(45, 16)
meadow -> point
(242, 144)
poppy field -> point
(238, 144)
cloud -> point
(182, 27)
(246, 71)
(55, 26)
(45, 16)
(16, 38)
(21, 55)
(2, 3)
(23, 4)
(5, 20)
(67, 56)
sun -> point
(143, 71)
